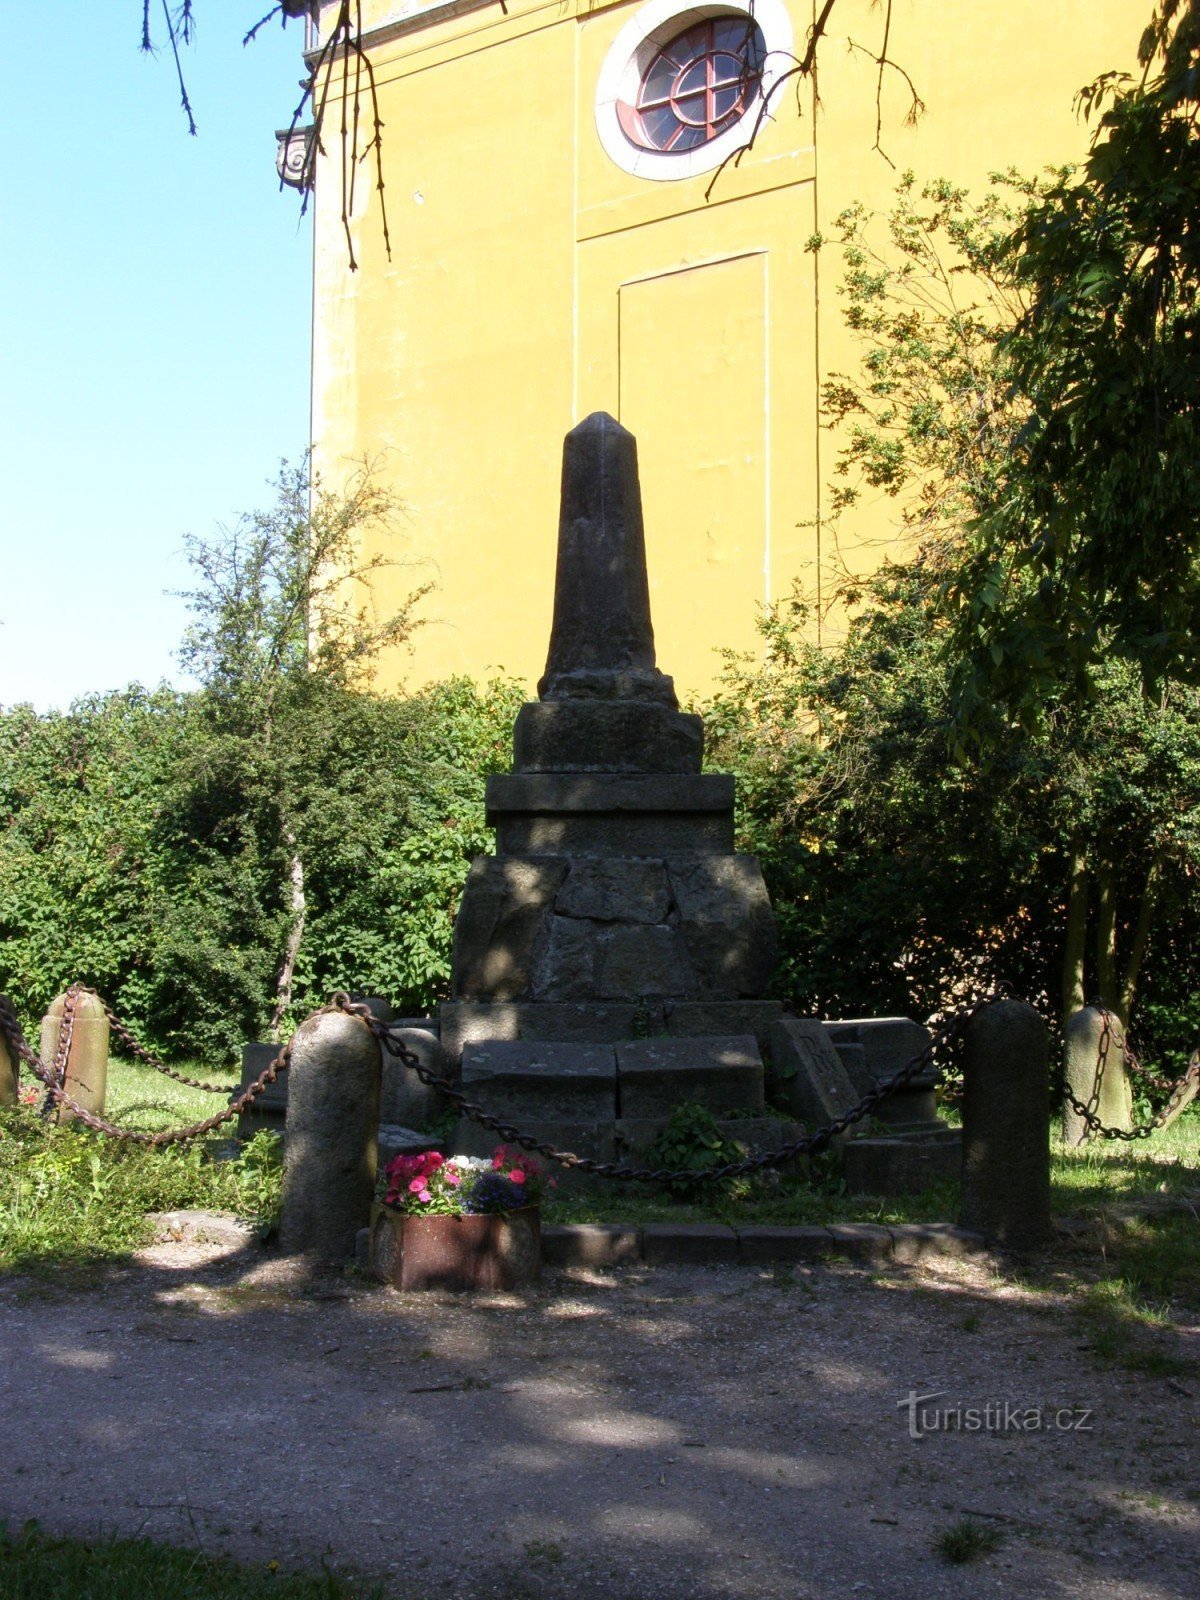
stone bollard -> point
(1106, 1092)
(330, 1137)
(87, 1060)
(9, 1075)
(1006, 1126)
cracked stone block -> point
(727, 923)
(504, 902)
(612, 890)
(656, 1075)
(584, 960)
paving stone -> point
(727, 923)
(656, 1075)
(525, 1079)
(914, 1241)
(861, 1240)
(705, 1243)
(765, 1244)
(504, 903)
(591, 1244)
(613, 890)
(606, 736)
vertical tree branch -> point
(1074, 991)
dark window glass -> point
(697, 85)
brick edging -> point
(611, 1244)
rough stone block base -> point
(656, 1075)
(903, 1165)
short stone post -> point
(9, 1075)
(330, 1137)
(87, 1059)
(1101, 1086)
(1006, 1126)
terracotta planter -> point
(498, 1251)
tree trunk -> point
(283, 987)
(1138, 943)
(1106, 939)
(1074, 995)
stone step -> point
(722, 1073)
(466, 1022)
(523, 1079)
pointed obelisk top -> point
(602, 640)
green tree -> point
(1090, 543)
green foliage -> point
(37, 1566)
(1090, 543)
(967, 1541)
(692, 1141)
(70, 1198)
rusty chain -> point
(143, 1055)
(21, 1050)
(1175, 1091)
(62, 1049)
(949, 1033)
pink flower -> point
(425, 1197)
(516, 1176)
(497, 1160)
(416, 1186)
(452, 1178)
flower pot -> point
(502, 1250)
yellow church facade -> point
(573, 229)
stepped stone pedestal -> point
(611, 960)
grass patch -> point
(34, 1566)
(69, 1198)
(968, 1541)
(138, 1097)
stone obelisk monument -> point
(612, 958)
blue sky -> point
(154, 329)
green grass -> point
(967, 1541)
(141, 1098)
(34, 1566)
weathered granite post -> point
(330, 1137)
(1101, 1085)
(87, 1059)
(1006, 1126)
(9, 1076)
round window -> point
(681, 84)
(697, 85)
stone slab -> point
(918, 1241)
(702, 1243)
(591, 1244)
(900, 1166)
(766, 1244)
(756, 1133)
(606, 736)
(466, 1022)
(656, 1075)
(395, 1140)
(504, 903)
(807, 1074)
(685, 1019)
(653, 834)
(727, 923)
(888, 1043)
(608, 889)
(591, 1139)
(606, 793)
(523, 1079)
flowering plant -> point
(428, 1185)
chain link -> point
(143, 1055)
(1176, 1091)
(949, 1033)
(19, 1045)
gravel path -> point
(680, 1432)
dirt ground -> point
(682, 1432)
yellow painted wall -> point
(532, 280)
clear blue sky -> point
(154, 328)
